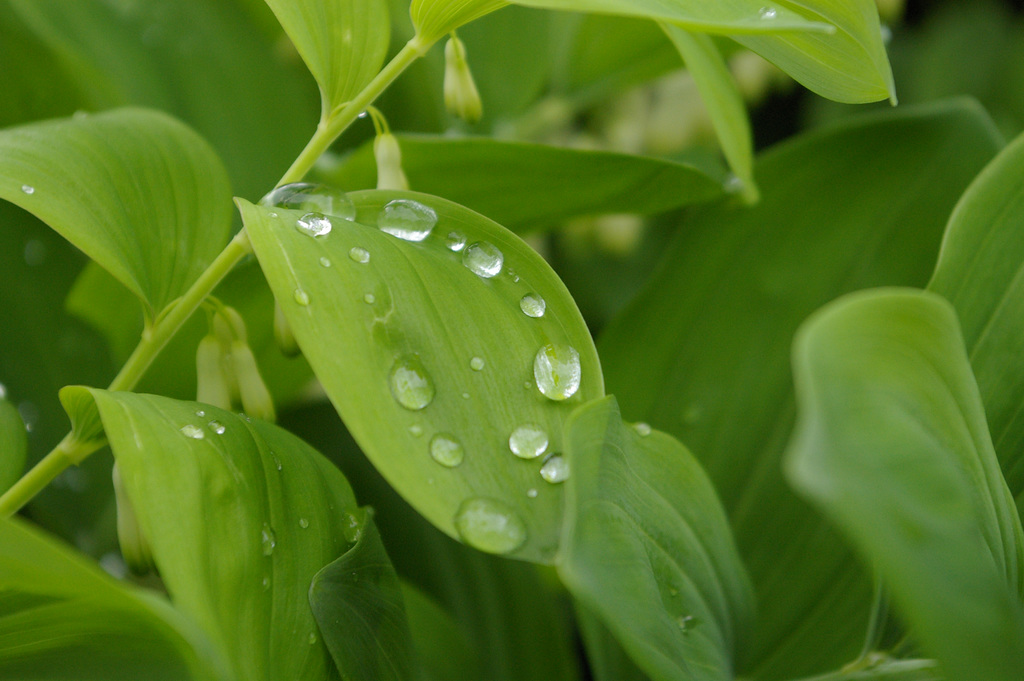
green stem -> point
(337, 123)
(70, 451)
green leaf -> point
(240, 516)
(13, 443)
(723, 100)
(979, 272)
(889, 670)
(442, 644)
(433, 18)
(357, 602)
(61, 617)
(419, 353)
(343, 42)
(122, 186)
(891, 443)
(605, 656)
(540, 185)
(717, 321)
(647, 547)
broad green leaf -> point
(980, 272)
(889, 670)
(357, 602)
(891, 443)
(723, 101)
(433, 18)
(240, 516)
(647, 547)
(429, 361)
(540, 185)
(442, 644)
(61, 618)
(343, 42)
(856, 205)
(13, 443)
(122, 186)
(605, 656)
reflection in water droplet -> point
(642, 429)
(446, 450)
(28, 189)
(532, 493)
(476, 364)
(555, 470)
(456, 241)
(314, 224)
(301, 297)
(556, 368)
(369, 299)
(411, 385)
(311, 198)
(532, 305)
(406, 219)
(489, 525)
(528, 441)
(303, 523)
(217, 427)
(268, 540)
(194, 432)
(325, 262)
(483, 259)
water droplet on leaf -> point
(325, 262)
(528, 441)
(489, 525)
(483, 259)
(456, 241)
(311, 198)
(476, 364)
(301, 297)
(303, 523)
(268, 540)
(360, 255)
(555, 470)
(767, 13)
(311, 638)
(314, 224)
(556, 368)
(266, 583)
(28, 189)
(446, 450)
(217, 427)
(406, 219)
(416, 430)
(369, 299)
(642, 429)
(194, 432)
(532, 493)
(411, 385)
(532, 305)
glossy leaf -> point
(979, 272)
(713, 369)
(891, 443)
(723, 101)
(647, 547)
(240, 516)
(540, 185)
(121, 186)
(410, 344)
(357, 602)
(343, 42)
(61, 617)
(13, 443)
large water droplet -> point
(411, 385)
(533, 305)
(446, 450)
(194, 432)
(311, 198)
(360, 255)
(301, 297)
(489, 525)
(555, 470)
(28, 189)
(409, 220)
(268, 540)
(483, 259)
(456, 241)
(528, 441)
(314, 224)
(217, 427)
(477, 364)
(556, 368)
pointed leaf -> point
(891, 443)
(647, 547)
(416, 350)
(123, 186)
(13, 443)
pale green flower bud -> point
(461, 97)
(213, 384)
(256, 399)
(135, 549)
(389, 163)
(286, 342)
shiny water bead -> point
(314, 224)
(556, 369)
(456, 241)
(217, 427)
(528, 441)
(200, 413)
(642, 429)
(555, 470)
(369, 299)
(312, 198)
(359, 255)
(489, 525)
(446, 450)
(768, 13)
(411, 385)
(194, 432)
(416, 430)
(477, 364)
(268, 540)
(407, 219)
(483, 259)
(532, 493)
(325, 262)
(301, 297)
(303, 523)
(532, 305)
(311, 638)
(28, 189)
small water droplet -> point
(268, 540)
(528, 441)
(642, 429)
(411, 385)
(483, 259)
(363, 114)
(325, 262)
(456, 241)
(28, 189)
(556, 368)
(303, 523)
(555, 470)
(489, 525)
(352, 529)
(194, 432)
(768, 13)
(217, 427)
(446, 450)
(406, 219)
(301, 297)
(416, 430)
(3, 392)
(360, 255)
(266, 583)
(200, 413)
(277, 461)
(311, 638)
(532, 493)
(476, 364)
(533, 305)
(369, 299)
(686, 623)
(465, 396)
(312, 198)
(314, 224)
(527, 385)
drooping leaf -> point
(435, 355)
(122, 186)
(717, 321)
(13, 443)
(343, 42)
(891, 443)
(528, 186)
(240, 516)
(648, 548)
(61, 617)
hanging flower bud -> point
(213, 385)
(461, 97)
(135, 549)
(389, 162)
(286, 342)
(256, 399)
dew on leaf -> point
(456, 241)
(767, 13)
(476, 364)
(303, 523)
(411, 385)
(194, 432)
(532, 493)
(314, 224)
(446, 450)
(528, 441)
(642, 429)
(406, 219)
(268, 540)
(301, 297)
(416, 430)
(483, 259)
(369, 299)
(360, 255)
(489, 525)
(325, 262)
(217, 427)
(533, 305)
(556, 368)
(28, 189)
(311, 198)
(555, 470)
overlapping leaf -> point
(891, 442)
(13, 443)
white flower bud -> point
(213, 385)
(461, 97)
(256, 399)
(389, 163)
(135, 549)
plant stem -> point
(336, 123)
(69, 451)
